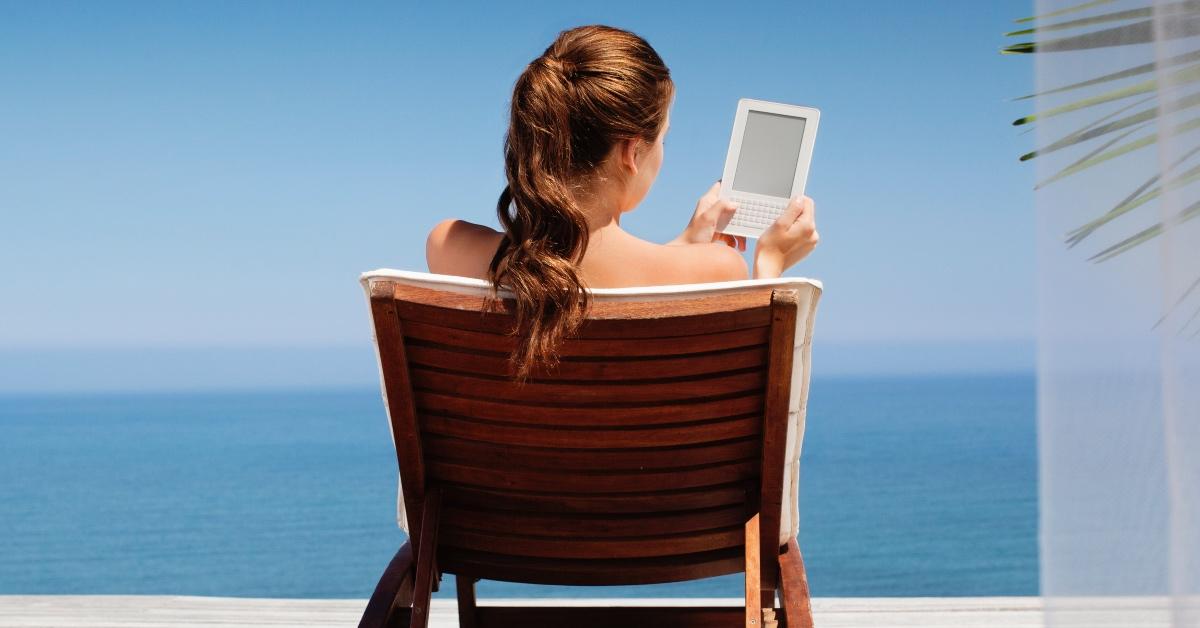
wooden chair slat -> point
(623, 503)
(491, 566)
(497, 456)
(583, 438)
(634, 318)
(595, 526)
(596, 392)
(498, 365)
(593, 347)
(757, 315)
(637, 309)
(607, 415)
(556, 481)
(627, 547)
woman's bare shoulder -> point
(458, 247)
(713, 261)
(689, 263)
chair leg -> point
(753, 569)
(466, 602)
(760, 579)
(797, 605)
(401, 599)
(394, 590)
(426, 572)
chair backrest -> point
(675, 415)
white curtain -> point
(1118, 133)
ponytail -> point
(593, 86)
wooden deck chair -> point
(663, 448)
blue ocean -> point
(917, 486)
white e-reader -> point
(767, 162)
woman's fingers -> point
(809, 215)
(794, 209)
(721, 210)
(799, 208)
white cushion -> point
(800, 369)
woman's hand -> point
(711, 210)
(788, 240)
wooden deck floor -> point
(124, 611)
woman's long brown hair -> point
(594, 86)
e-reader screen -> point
(770, 150)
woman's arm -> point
(790, 239)
(696, 263)
(724, 262)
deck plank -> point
(136, 611)
(144, 611)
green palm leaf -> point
(1115, 76)
(1135, 200)
(1184, 6)
(1078, 136)
(1116, 16)
(1072, 9)
(1183, 297)
(1099, 149)
(1190, 74)
(1116, 112)
(1187, 102)
(1093, 124)
(1137, 33)
(1190, 125)
(1145, 235)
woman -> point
(584, 145)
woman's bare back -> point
(614, 258)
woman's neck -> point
(601, 210)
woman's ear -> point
(629, 153)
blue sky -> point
(196, 182)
